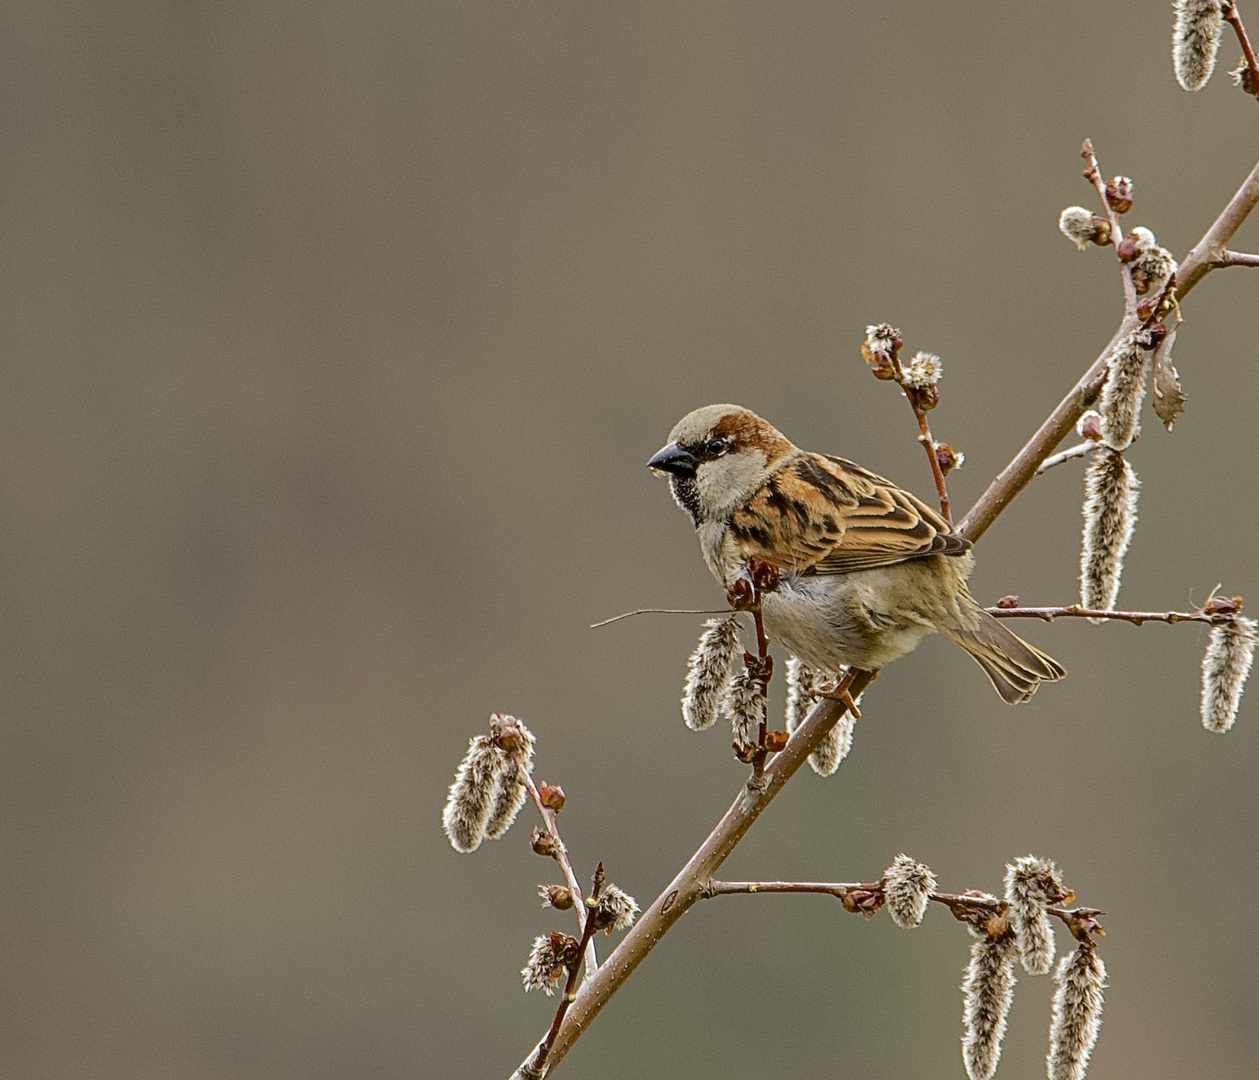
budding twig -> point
(560, 854)
(1093, 174)
(1193, 268)
(537, 1065)
(1048, 614)
(1233, 16)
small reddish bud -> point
(552, 795)
(923, 398)
(1090, 426)
(542, 842)
(1141, 281)
(948, 459)
(997, 926)
(758, 668)
(505, 732)
(745, 752)
(1010, 601)
(1101, 231)
(740, 594)
(556, 896)
(776, 741)
(765, 576)
(1127, 249)
(1119, 194)
(1083, 922)
(865, 900)
(1222, 605)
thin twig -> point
(538, 1064)
(839, 889)
(1093, 174)
(1077, 451)
(1234, 17)
(659, 611)
(929, 444)
(570, 878)
(1074, 611)
(1235, 258)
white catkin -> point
(1127, 374)
(473, 794)
(1196, 35)
(615, 909)
(1077, 1014)
(1229, 656)
(1110, 515)
(1027, 880)
(987, 994)
(512, 793)
(743, 703)
(708, 671)
(837, 742)
(544, 969)
(1077, 225)
(907, 888)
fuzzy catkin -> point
(1110, 515)
(473, 794)
(744, 704)
(1077, 225)
(1196, 35)
(615, 909)
(1126, 376)
(1229, 656)
(907, 888)
(544, 968)
(837, 742)
(1028, 883)
(708, 671)
(1077, 1013)
(511, 793)
(987, 994)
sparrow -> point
(866, 570)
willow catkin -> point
(1110, 515)
(1229, 656)
(1196, 35)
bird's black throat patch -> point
(686, 495)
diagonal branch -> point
(688, 887)
(1015, 476)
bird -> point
(866, 570)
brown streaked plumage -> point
(867, 569)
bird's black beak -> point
(673, 459)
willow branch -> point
(1074, 611)
(688, 886)
(1018, 474)
(841, 889)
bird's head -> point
(717, 457)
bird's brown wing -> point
(824, 515)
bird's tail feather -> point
(1014, 667)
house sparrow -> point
(866, 569)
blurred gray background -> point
(336, 338)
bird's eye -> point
(716, 446)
